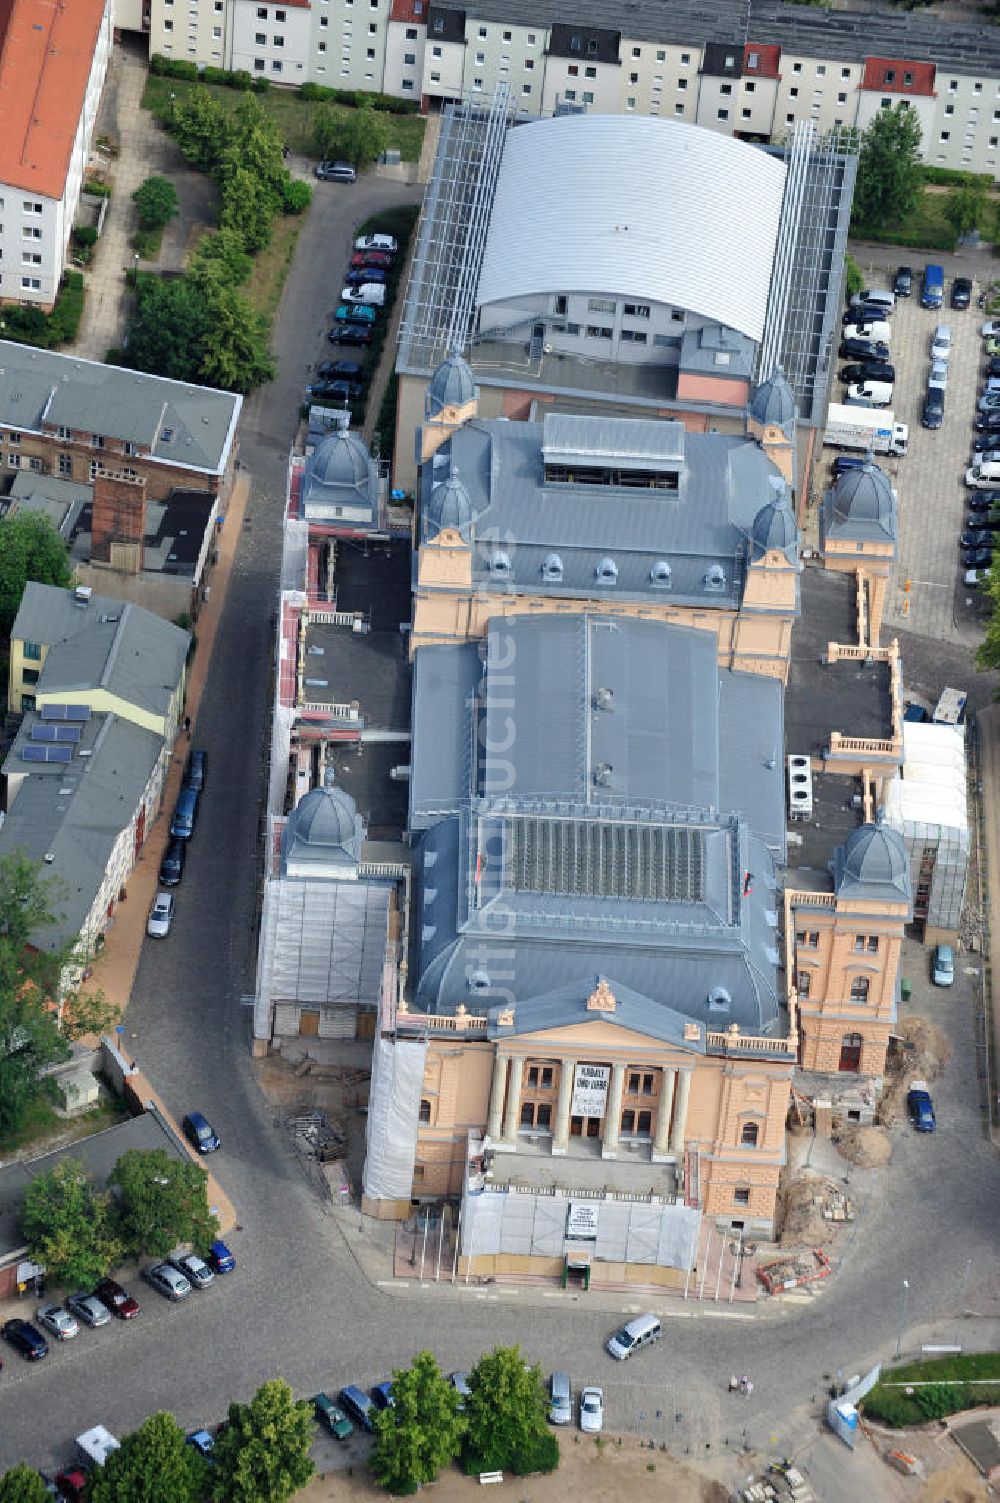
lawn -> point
(44, 1130)
(270, 266)
(959, 1382)
(293, 115)
(926, 228)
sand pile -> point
(868, 1147)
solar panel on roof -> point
(65, 712)
(33, 752)
(65, 733)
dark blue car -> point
(220, 1259)
(920, 1107)
(200, 1133)
(29, 1342)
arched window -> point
(500, 563)
(749, 1134)
(606, 571)
(425, 1110)
(552, 568)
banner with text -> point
(590, 1090)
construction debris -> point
(919, 1050)
(794, 1270)
(782, 1483)
(868, 1147)
(809, 1203)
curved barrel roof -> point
(655, 209)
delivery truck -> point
(864, 428)
(94, 1446)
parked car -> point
(196, 771)
(194, 1269)
(844, 462)
(987, 422)
(25, 1339)
(331, 370)
(381, 1394)
(161, 915)
(359, 274)
(592, 1410)
(864, 313)
(381, 258)
(57, 1321)
(220, 1258)
(88, 1308)
(172, 865)
(902, 284)
(973, 578)
(365, 295)
(980, 521)
(977, 558)
(388, 243)
(460, 1383)
(941, 342)
(203, 1442)
(72, 1484)
(117, 1299)
(358, 1405)
(561, 1397)
(337, 172)
(362, 313)
(983, 500)
(993, 345)
(961, 292)
(989, 402)
(867, 370)
(332, 1418)
(167, 1280)
(863, 349)
(921, 1107)
(976, 537)
(200, 1133)
(993, 365)
(943, 965)
(938, 374)
(350, 334)
(932, 415)
(336, 391)
(991, 329)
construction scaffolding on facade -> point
(927, 803)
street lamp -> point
(902, 1317)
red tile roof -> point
(896, 75)
(47, 53)
(767, 60)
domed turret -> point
(873, 860)
(340, 459)
(773, 402)
(774, 526)
(323, 829)
(449, 507)
(865, 495)
(452, 385)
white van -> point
(879, 393)
(372, 293)
(983, 476)
(879, 330)
(94, 1446)
(640, 1332)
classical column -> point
(512, 1119)
(661, 1139)
(560, 1138)
(497, 1094)
(613, 1113)
(680, 1118)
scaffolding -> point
(804, 303)
(440, 296)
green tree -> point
(296, 196)
(889, 170)
(156, 200)
(22, 1484)
(220, 258)
(162, 1202)
(248, 209)
(68, 1225)
(154, 1464)
(854, 278)
(505, 1417)
(167, 332)
(30, 548)
(965, 209)
(358, 136)
(262, 1455)
(988, 651)
(200, 126)
(420, 1432)
(235, 355)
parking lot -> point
(926, 593)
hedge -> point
(919, 238)
(358, 98)
(228, 78)
(951, 177)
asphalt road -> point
(299, 1305)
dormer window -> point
(500, 564)
(715, 578)
(660, 573)
(552, 569)
(479, 981)
(606, 571)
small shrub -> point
(97, 189)
(939, 1399)
(650, 1466)
(951, 177)
(541, 1456)
(85, 236)
(296, 196)
(173, 67)
(357, 98)
(261, 85)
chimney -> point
(119, 523)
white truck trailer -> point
(865, 428)
(94, 1446)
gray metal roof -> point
(873, 865)
(618, 204)
(191, 427)
(76, 811)
(60, 500)
(851, 35)
(589, 837)
(520, 521)
(719, 352)
(323, 941)
(102, 643)
(568, 1004)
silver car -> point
(592, 1410)
(161, 915)
(167, 1280)
(194, 1269)
(561, 1394)
(89, 1309)
(57, 1321)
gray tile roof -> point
(589, 838)
(76, 814)
(851, 35)
(103, 643)
(726, 479)
(188, 426)
(568, 1004)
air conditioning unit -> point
(800, 788)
